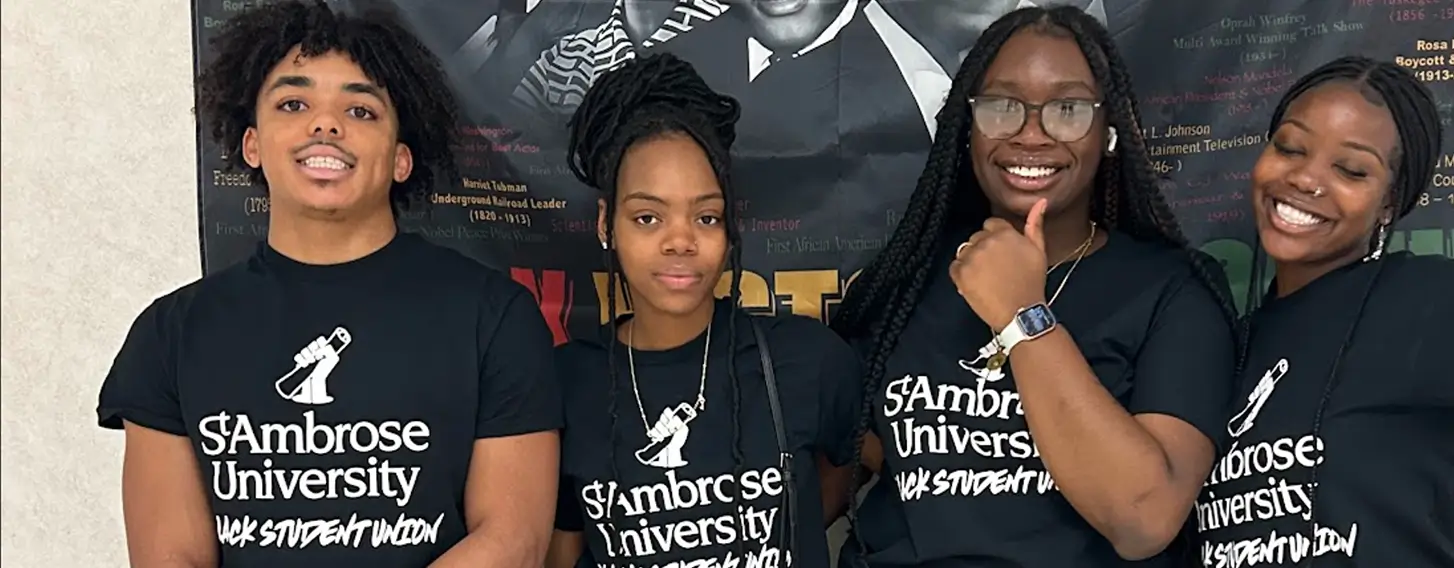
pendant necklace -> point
(636, 389)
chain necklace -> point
(1079, 253)
(1080, 250)
(1000, 358)
(635, 389)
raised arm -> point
(1134, 473)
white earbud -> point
(1112, 146)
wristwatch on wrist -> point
(1029, 323)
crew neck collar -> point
(691, 351)
(370, 264)
(1331, 280)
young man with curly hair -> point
(349, 395)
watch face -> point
(1036, 320)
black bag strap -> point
(772, 392)
(785, 457)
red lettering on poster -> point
(554, 293)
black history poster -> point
(839, 100)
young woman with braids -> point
(1343, 454)
(670, 453)
(1049, 365)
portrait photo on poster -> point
(840, 100)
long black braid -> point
(948, 197)
(255, 41)
(1420, 136)
(643, 99)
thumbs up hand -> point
(1000, 270)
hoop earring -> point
(1111, 148)
(1377, 251)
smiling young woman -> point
(1341, 449)
(1049, 364)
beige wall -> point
(99, 208)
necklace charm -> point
(996, 361)
(636, 389)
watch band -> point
(1015, 332)
(1012, 335)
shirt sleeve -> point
(568, 508)
(840, 399)
(519, 392)
(141, 386)
(1185, 368)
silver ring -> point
(962, 246)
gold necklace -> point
(1084, 246)
(1079, 253)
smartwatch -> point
(1029, 323)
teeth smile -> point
(325, 162)
(1030, 172)
(1294, 216)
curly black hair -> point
(1127, 196)
(646, 98)
(253, 42)
(1420, 138)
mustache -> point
(349, 155)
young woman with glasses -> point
(1048, 363)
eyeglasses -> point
(1068, 120)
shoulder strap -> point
(772, 391)
(789, 518)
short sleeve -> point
(519, 392)
(840, 400)
(1185, 368)
(141, 386)
(568, 508)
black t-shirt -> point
(962, 483)
(690, 499)
(1376, 467)
(333, 409)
